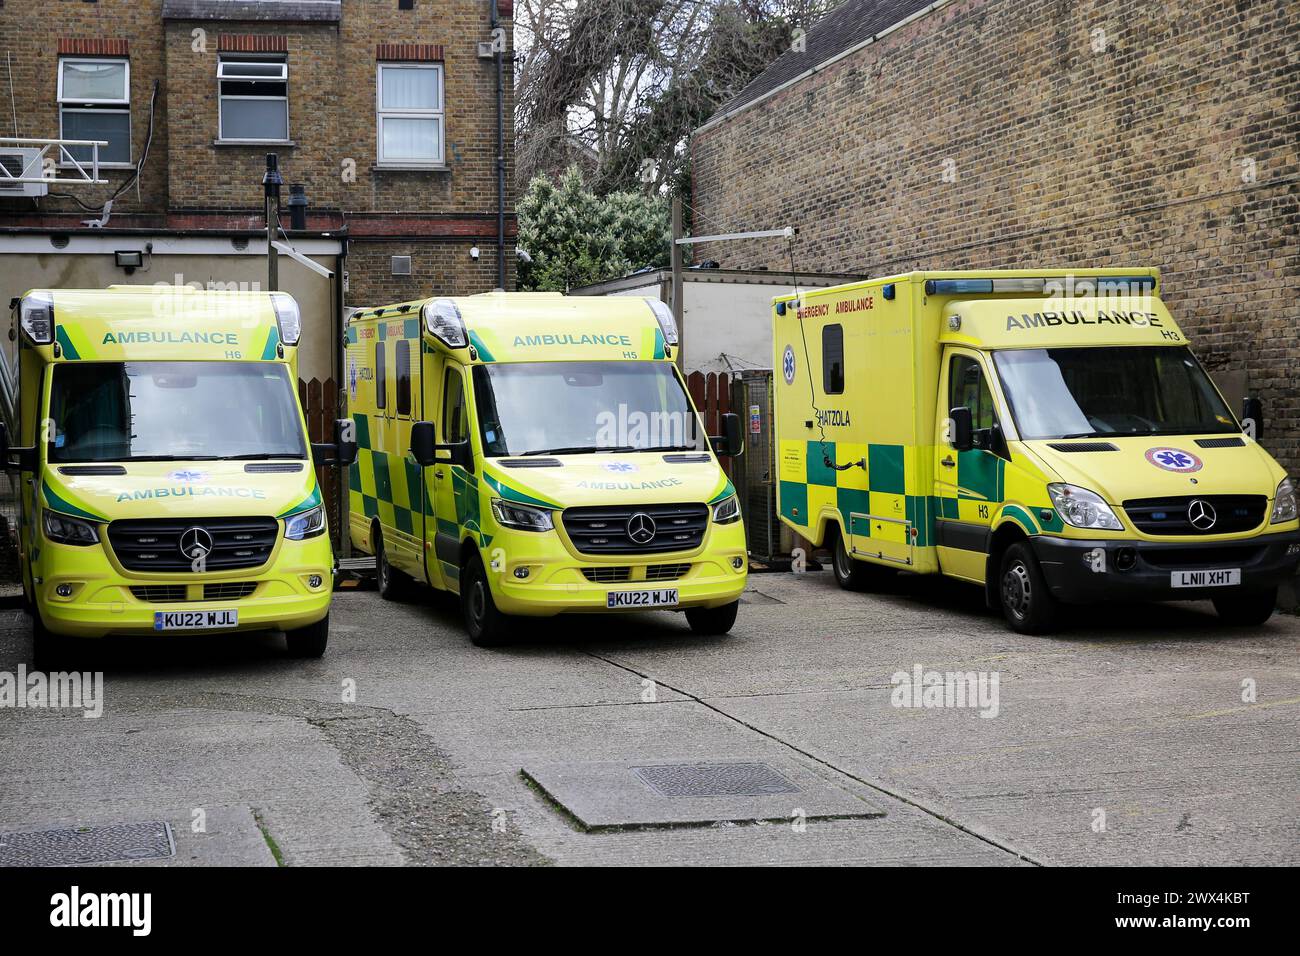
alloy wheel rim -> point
(1016, 590)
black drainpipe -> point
(501, 152)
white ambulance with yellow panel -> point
(538, 454)
(166, 476)
(1046, 434)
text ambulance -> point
(538, 454)
(1046, 434)
(167, 481)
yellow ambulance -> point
(537, 454)
(1047, 434)
(167, 481)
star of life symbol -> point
(787, 365)
(619, 467)
(186, 474)
(1174, 459)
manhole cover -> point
(66, 847)
(714, 780)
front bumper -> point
(103, 603)
(556, 582)
(1084, 571)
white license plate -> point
(1222, 578)
(664, 597)
(194, 620)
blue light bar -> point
(1113, 283)
(957, 286)
(888, 291)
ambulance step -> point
(365, 562)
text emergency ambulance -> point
(539, 454)
(1046, 434)
(167, 481)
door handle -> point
(438, 473)
(947, 462)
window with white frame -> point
(253, 99)
(95, 104)
(410, 115)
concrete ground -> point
(1150, 735)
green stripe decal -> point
(727, 491)
(510, 494)
(55, 503)
(272, 340)
(1023, 517)
(483, 352)
(659, 344)
(65, 343)
(311, 501)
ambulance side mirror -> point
(424, 443)
(961, 434)
(345, 442)
(26, 456)
(1252, 418)
(732, 440)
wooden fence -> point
(322, 404)
(712, 395)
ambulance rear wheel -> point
(393, 584)
(1247, 610)
(852, 574)
(309, 641)
(487, 626)
(712, 620)
(1027, 604)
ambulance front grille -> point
(608, 529)
(154, 544)
(1173, 516)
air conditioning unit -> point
(16, 161)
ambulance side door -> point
(968, 484)
(405, 478)
(454, 489)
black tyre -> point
(712, 620)
(309, 641)
(1026, 602)
(393, 584)
(487, 626)
(1247, 610)
(852, 574)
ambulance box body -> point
(538, 454)
(167, 480)
(1047, 434)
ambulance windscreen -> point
(1095, 392)
(573, 408)
(173, 411)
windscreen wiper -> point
(166, 458)
(577, 450)
(261, 456)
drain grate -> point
(714, 780)
(66, 847)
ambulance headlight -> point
(1284, 504)
(308, 524)
(288, 317)
(667, 323)
(64, 529)
(444, 322)
(521, 517)
(37, 317)
(727, 511)
(1081, 508)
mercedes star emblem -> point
(641, 528)
(1201, 514)
(196, 543)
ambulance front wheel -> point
(852, 574)
(487, 626)
(309, 641)
(1247, 610)
(712, 620)
(1026, 602)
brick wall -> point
(332, 125)
(996, 133)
